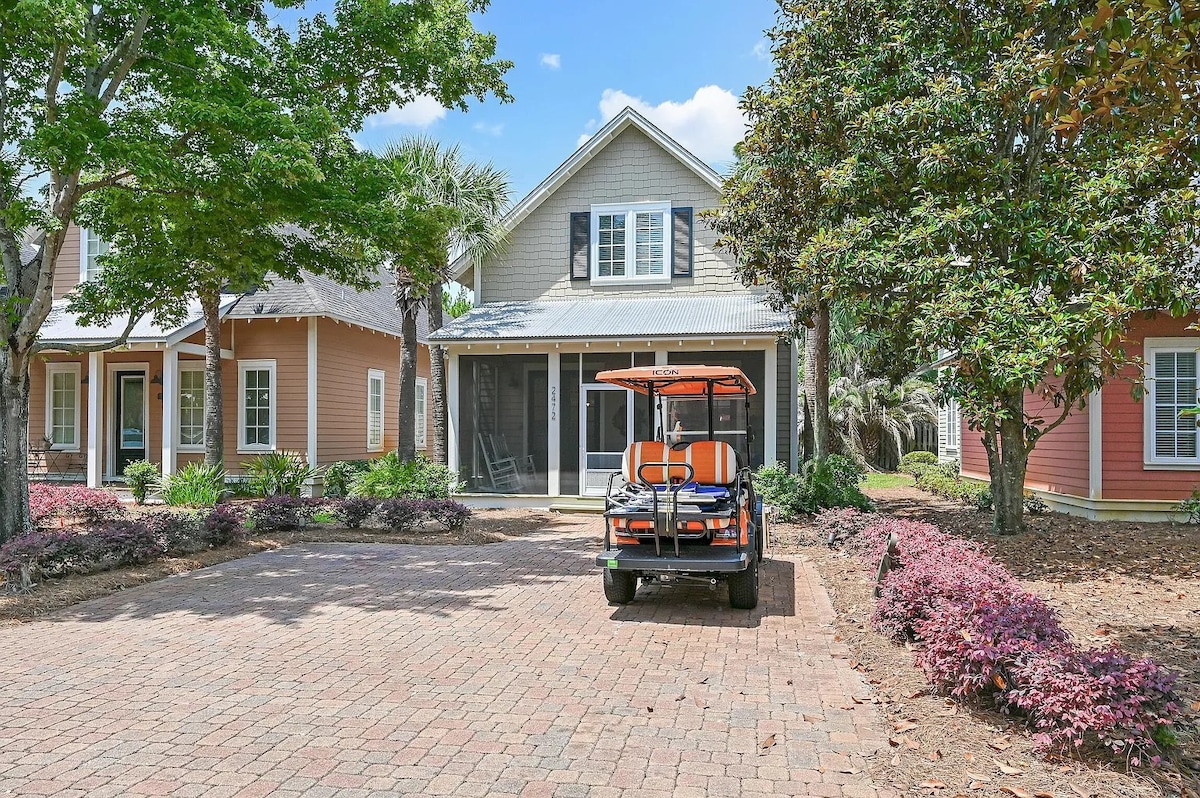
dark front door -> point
(130, 429)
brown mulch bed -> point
(1114, 582)
(485, 526)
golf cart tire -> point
(619, 586)
(743, 587)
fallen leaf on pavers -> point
(1196, 706)
(894, 742)
(932, 784)
(1016, 792)
(977, 777)
(813, 718)
(911, 744)
(700, 703)
(1008, 770)
(904, 725)
(853, 663)
(936, 756)
(1044, 794)
(916, 694)
(1082, 792)
(1000, 744)
(680, 698)
(976, 785)
(705, 681)
(896, 760)
(767, 743)
(968, 756)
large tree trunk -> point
(214, 410)
(1008, 459)
(437, 378)
(816, 379)
(407, 404)
(14, 444)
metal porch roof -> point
(628, 317)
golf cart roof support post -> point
(710, 411)
(650, 410)
(749, 431)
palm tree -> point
(476, 197)
(869, 413)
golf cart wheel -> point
(619, 586)
(743, 587)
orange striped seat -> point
(714, 462)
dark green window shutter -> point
(581, 245)
(681, 242)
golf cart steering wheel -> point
(679, 446)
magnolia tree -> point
(908, 166)
(175, 116)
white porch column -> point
(170, 407)
(553, 439)
(771, 407)
(452, 411)
(95, 415)
(311, 435)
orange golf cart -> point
(683, 508)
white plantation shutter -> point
(1173, 391)
(650, 255)
(421, 416)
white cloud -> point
(761, 50)
(490, 129)
(551, 60)
(709, 123)
(422, 111)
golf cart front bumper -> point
(692, 559)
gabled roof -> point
(595, 318)
(318, 295)
(613, 128)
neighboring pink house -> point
(309, 367)
(1122, 456)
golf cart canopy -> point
(681, 381)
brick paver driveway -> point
(375, 670)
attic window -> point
(630, 243)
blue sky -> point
(683, 64)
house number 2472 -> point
(554, 404)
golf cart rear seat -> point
(706, 503)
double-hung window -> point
(631, 243)
(62, 406)
(422, 418)
(256, 405)
(375, 380)
(1171, 389)
(952, 430)
(191, 407)
(91, 247)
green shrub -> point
(916, 459)
(340, 476)
(388, 477)
(943, 480)
(819, 486)
(279, 473)
(195, 485)
(1191, 506)
(140, 476)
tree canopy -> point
(198, 134)
(900, 161)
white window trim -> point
(51, 370)
(629, 209)
(374, 375)
(422, 425)
(189, 448)
(255, 365)
(1151, 347)
(83, 254)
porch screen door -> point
(606, 420)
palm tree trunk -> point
(214, 411)
(407, 405)
(437, 378)
(816, 378)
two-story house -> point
(310, 367)
(608, 265)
